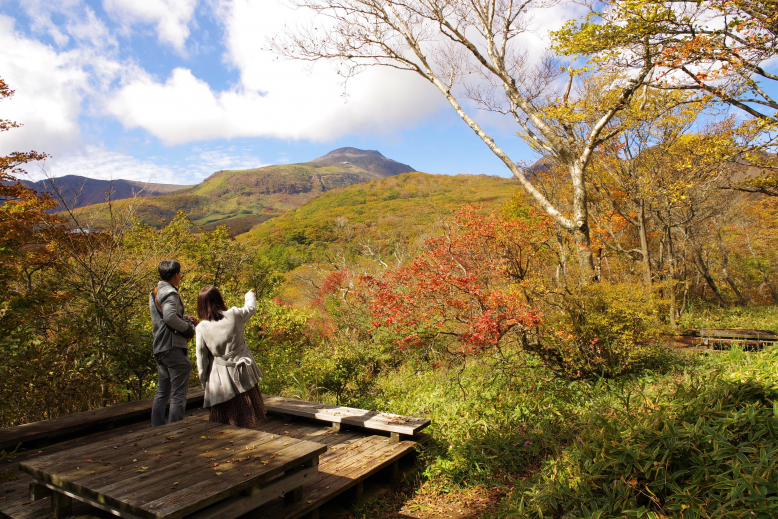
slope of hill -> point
(78, 191)
(242, 199)
(398, 208)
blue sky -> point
(173, 90)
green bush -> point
(600, 330)
(707, 449)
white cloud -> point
(171, 17)
(95, 162)
(275, 98)
(207, 162)
(101, 163)
(79, 22)
(50, 88)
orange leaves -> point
(464, 285)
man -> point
(171, 329)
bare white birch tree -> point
(473, 49)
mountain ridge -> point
(244, 198)
(79, 191)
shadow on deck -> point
(353, 454)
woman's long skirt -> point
(244, 410)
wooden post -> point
(39, 491)
(395, 471)
(251, 491)
(314, 514)
(395, 437)
(288, 418)
(61, 505)
(336, 426)
(294, 495)
(359, 491)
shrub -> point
(600, 330)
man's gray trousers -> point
(173, 370)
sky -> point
(171, 91)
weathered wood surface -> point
(346, 415)
(351, 457)
(734, 334)
(86, 422)
(174, 470)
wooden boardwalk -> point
(45, 432)
(350, 458)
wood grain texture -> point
(88, 421)
(167, 478)
(351, 456)
(407, 425)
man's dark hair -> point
(168, 269)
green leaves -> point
(708, 450)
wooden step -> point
(392, 423)
(41, 433)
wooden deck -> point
(352, 456)
(45, 432)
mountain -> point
(241, 199)
(371, 161)
(393, 209)
(78, 191)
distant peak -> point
(352, 152)
(371, 161)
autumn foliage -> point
(465, 291)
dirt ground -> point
(472, 504)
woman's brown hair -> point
(210, 304)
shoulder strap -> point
(156, 302)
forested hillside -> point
(241, 199)
(394, 210)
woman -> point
(227, 370)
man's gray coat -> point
(224, 362)
(168, 337)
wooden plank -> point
(118, 451)
(169, 468)
(345, 415)
(344, 461)
(69, 425)
(239, 505)
(134, 490)
(334, 481)
(210, 491)
(187, 475)
(763, 335)
(147, 493)
(97, 504)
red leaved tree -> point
(467, 289)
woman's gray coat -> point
(224, 362)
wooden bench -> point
(712, 337)
(39, 434)
(194, 468)
(399, 427)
